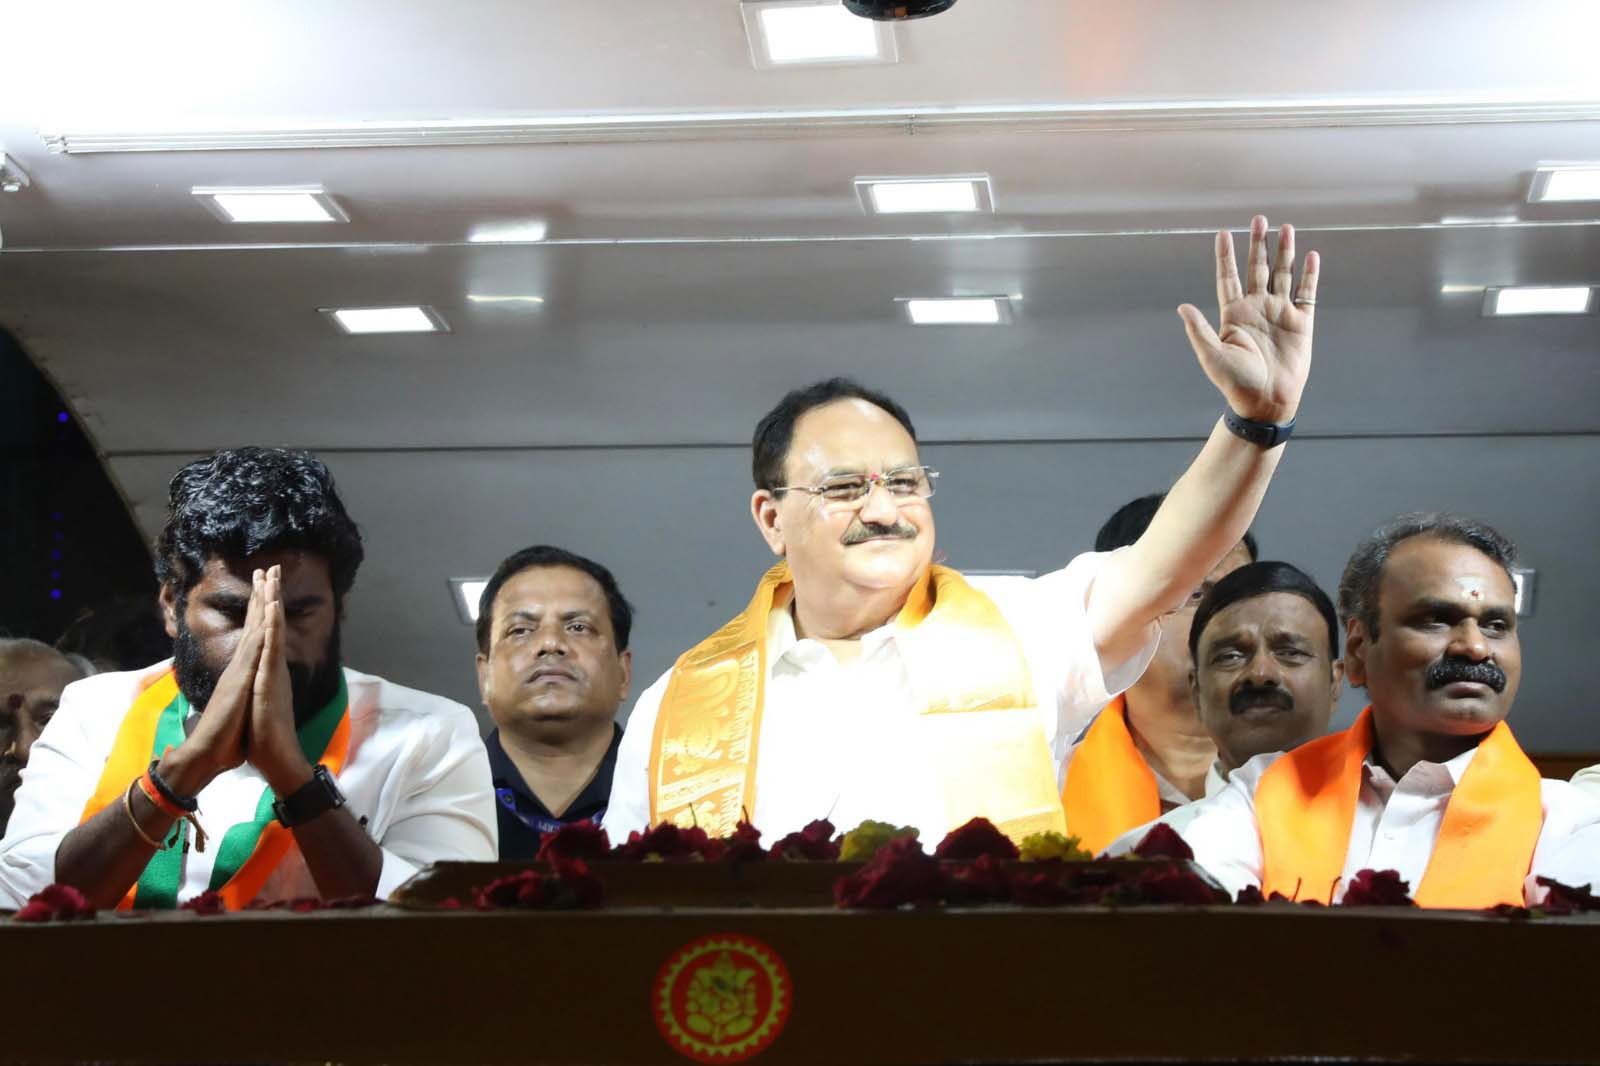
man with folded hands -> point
(251, 764)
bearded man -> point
(251, 764)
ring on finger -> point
(1305, 301)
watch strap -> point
(315, 797)
(1266, 434)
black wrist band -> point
(189, 804)
(309, 800)
(1266, 434)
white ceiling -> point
(706, 251)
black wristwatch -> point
(309, 800)
(1267, 434)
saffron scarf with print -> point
(247, 853)
(1306, 803)
(978, 721)
(1110, 789)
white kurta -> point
(416, 774)
(1394, 828)
(1588, 779)
(835, 737)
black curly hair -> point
(239, 502)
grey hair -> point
(10, 646)
(1358, 588)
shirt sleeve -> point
(1221, 829)
(63, 768)
(1050, 616)
(629, 807)
(446, 806)
(1589, 781)
(1569, 842)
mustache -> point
(1258, 695)
(860, 531)
(1447, 670)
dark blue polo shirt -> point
(523, 817)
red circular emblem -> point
(722, 998)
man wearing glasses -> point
(864, 682)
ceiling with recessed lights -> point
(636, 228)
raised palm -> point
(1260, 354)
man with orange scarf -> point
(1429, 782)
(252, 764)
(862, 681)
(1147, 751)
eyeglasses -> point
(903, 484)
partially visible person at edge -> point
(1267, 672)
(864, 682)
(32, 676)
(553, 670)
(251, 763)
(1429, 782)
(1146, 751)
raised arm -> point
(1258, 358)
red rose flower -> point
(1378, 888)
(1173, 884)
(577, 885)
(1089, 886)
(1034, 889)
(744, 845)
(576, 840)
(1163, 842)
(814, 843)
(525, 888)
(206, 903)
(55, 903)
(1510, 910)
(668, 842)
(900, 873)
(976, 838)
(982, 881)
(1250, 896)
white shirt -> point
(416, 772)
(1394, 828)
(834, 739)
(1588, 779)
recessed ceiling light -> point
(523, 231)
(298, 203)
(958, 310)
(1531, 300)
(903, 196)
(796, 32)
(1565, 184)
(487, 298)
(465, 592)
(386, 319)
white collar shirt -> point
(1395, 827)
(835, 736)
(416, 777)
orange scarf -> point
(131, 752)
(1110, 789)
(979, 722)
(1306, 802)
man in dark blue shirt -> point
(553, 670)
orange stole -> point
(130, 755)
(1306, 802)
(979, 724)
(1110, 789)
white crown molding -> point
(744, 125)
